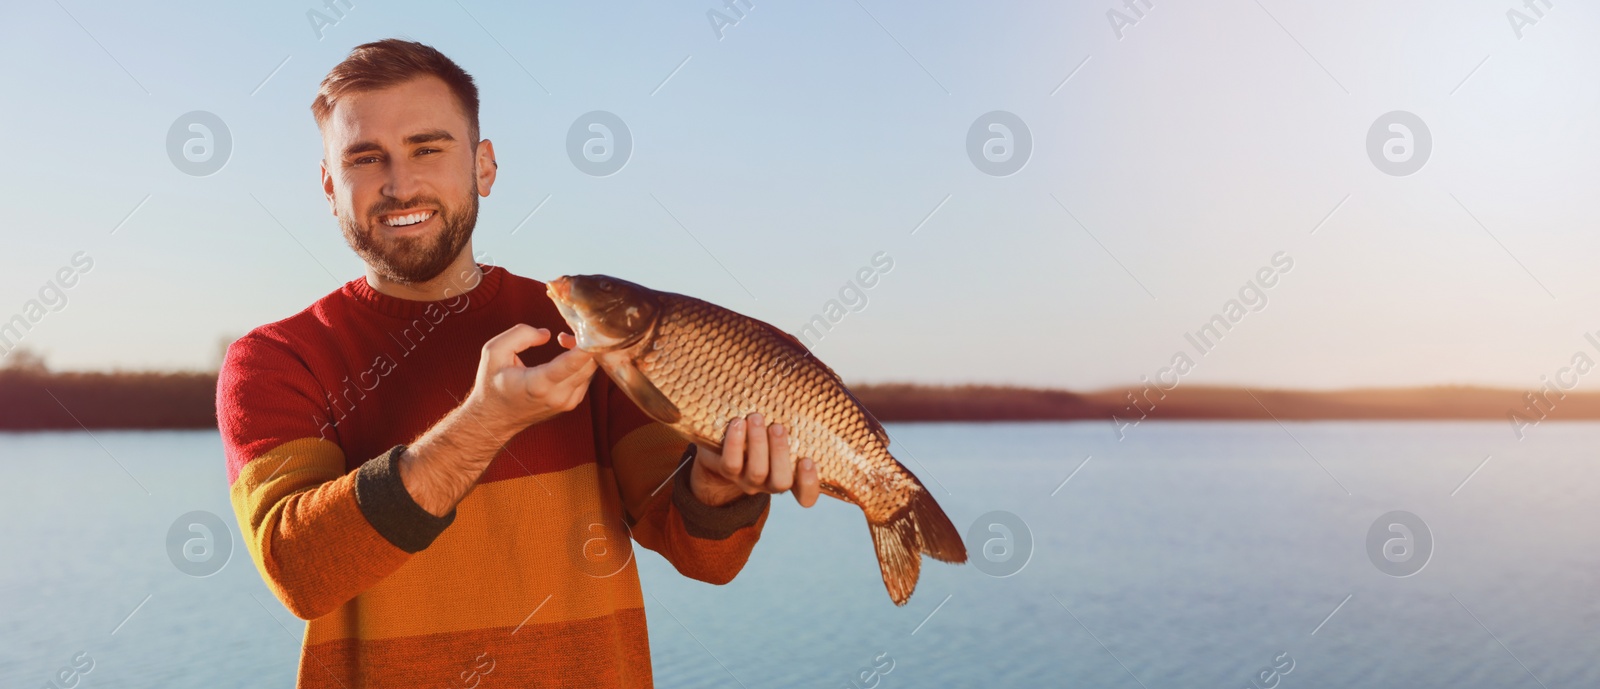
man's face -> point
(403, 178)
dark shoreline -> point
(32, 400)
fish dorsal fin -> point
(799, 349)
(639, 389)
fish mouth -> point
(560, 292)
(559, 289)
(588, 336)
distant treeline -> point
(998, 403)
(34, 399)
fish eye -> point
(605, 285)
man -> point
(446, 495)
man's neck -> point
(462, 275)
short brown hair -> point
(391, 61)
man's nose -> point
(404, 180)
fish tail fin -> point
(898, 554)
(918, 528)
(936, 535)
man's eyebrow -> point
(361, 147)
(429, 136)
(423, 137)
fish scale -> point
(711, 397)
(696, 366)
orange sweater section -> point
(531, 581)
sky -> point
(1172, 150)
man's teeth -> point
(412, 219)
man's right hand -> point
(442, 466)
(510, 396)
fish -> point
(696, 366)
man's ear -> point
(327, 188)
(487, 167)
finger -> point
(538, 382)
(756, 463)
(575, 398)
(567, 340)
(566, 365)
(579, 382)
(807, 484)
(780, 475)
(580, 378)
(733, 449)
(521, 336)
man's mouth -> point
(406, 218)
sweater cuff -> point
(389, 507)
(713, 523)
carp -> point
(696, 366)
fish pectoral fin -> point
(643, 392)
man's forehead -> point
(389, 115)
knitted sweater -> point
(531, 579)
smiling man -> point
(447, 495)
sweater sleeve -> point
(651, 466)
(319, 532)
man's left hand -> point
(754, 459)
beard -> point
(412, 260)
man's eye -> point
(421, 151)
(364, 160)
